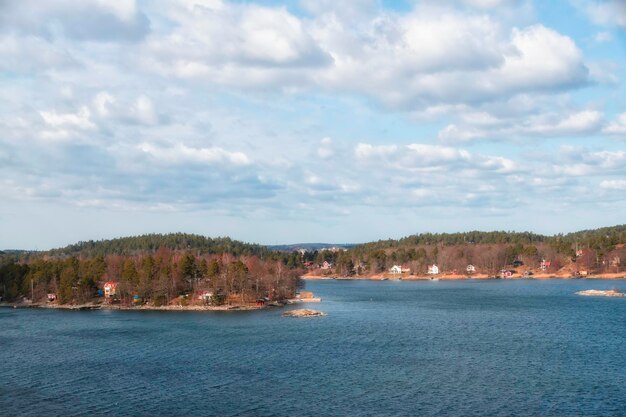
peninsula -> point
(158, 272)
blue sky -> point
(306, 120)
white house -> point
(327, 265)
(615, 261)
(470, 269)
(395, 269)
(205, 296)
(433, 269)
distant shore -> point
(445, 277)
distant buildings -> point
(335, 249)
(205, 296)
(433, 269)
(471, 269)
(504, 273)
(396, 269)
(110, 289)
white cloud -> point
(65, 126)
(125, 10)
(576, 123)
(604, 12)
(90, 20)
(355, 9)
(365, 150)
(603, 37)
(488, 4)
(199, 103)
(487, 126)
(543, 59)
(617, 127)
(604, 72)
(143, 111)
(30, 54)
(456, 134)
(235, 45)
(423, 156)
(574, 160)
(428, 56)
(613, 184)
(181, 154)
(102, 103)
(140, 111)
(420, 154)
(434, 66)
(609, 160)
(326, 150)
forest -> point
(596, 251)
(154, 269)
(159, 268)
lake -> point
(524, 348)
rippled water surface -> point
(385, 348)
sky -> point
(309, 120)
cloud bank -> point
(309, 113)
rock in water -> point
(303, 313)
(601, 293)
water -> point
(385, 348)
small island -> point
(601, 293)
(303, 313)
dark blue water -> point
(386, 348)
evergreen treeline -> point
(150, 243)
(602, 239)
(450, 239)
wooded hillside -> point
(159, 268)
(594, 251)
(154, 268)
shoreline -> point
(380, 277)
(117, 307)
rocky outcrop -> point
(303, 313)
(601, 293)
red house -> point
(110, 289)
